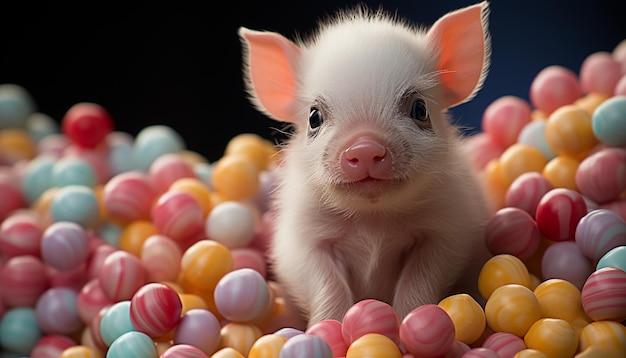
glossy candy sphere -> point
(568, 131)
(205, 262)
(330, 331)
(75, 203)
(16, 104)
(52, 346)
(155, 309)
(200, 328)
(555, 337)
(504, 344)
(607, 334)
(560, 171)
(129, 196)
(56, 311)
(512, 308)
(134, 235)
(196, 187)
(504, 118)
(242, 295)
(252, 146)
(602, 175)
(466, 314)
(512, 231)
(121, 275)
(20, 234)
(559, 298)
(614, 258)
(73, 171)
(178, 215)
(19, 331)
(87, 124)
(120, 153)
(90, 300)
(599, 73)
(80, 352)
(23, 279)
(609, 121)
(267, 346)
(374, 345)
(427, 331)
(161, 256)
(116, 321)
(600, 231)
(558, 213)
(37, 177)
(231, 223)
(227, 352)
(305, 346)
(604, 295)
(500, 270)
(12, 195)
(183, 351)
(519, 159)
(132, 344)
(245, 257)
(64, 245)
(152, 142)
(564, 260)
(526, 191)
(168, 168)
(370, 316)
(553, 87)
(235, 177)
(530, 353)
(482, 148)
(240, 336)
(533, 134)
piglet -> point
(375, 196)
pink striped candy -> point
(242, 295)
(330, 331)
(600, 231)
(505, 344)
(121, 275)
(427, 331)
(155, 309)
(558, 213)
(602, 176)
(129, 196)
(178, 215)
(20, 234)
(168, 168)
(90, 300)
(512, 231)
(161, 256)
(370, 316)
(23, 279)
(183, 351)
(604, 295)
(526, 191)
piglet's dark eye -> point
(418, 110)
(315, 118)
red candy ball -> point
(512, 231)
(330, 331)
(370, 316)
(121, 275)
(559, 212)
(23, 279)
(87, 124)
(427, 331)
(155, 309)
(601, 176)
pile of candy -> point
(118, 246)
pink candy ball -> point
(90, 300)
(504, 119)
(51, 346)
(242, 295)
(96, 258)
(20, 234)
(370, 316)
(178, 215)
(200, 328)
(565, 261)
(558, 213)
(121, 275)
(183, 351)
(23, 279)
(602, 175)
(600, 231)
(427, 331)
(482, 148)
(168, 168)
(155, 309)
(600, 73)
(604, 295)
(481, 352)
(64, 245)
(512, 231)
(330, 331)
(11, 194)
(129, 196)
(56, 311)
(244, 257)
(553, 87)
(161, 256)
(526, 191)
(505, 344)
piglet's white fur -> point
(375, 196)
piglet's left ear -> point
(463, 49)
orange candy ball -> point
(235, 177)
(467, 315)
(519, 159)
(569, 131)
(205, 262)
(501, 270)
(512, 308)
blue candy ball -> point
(16, 104)
(77, 204)
(37, 177)
(153, 142)
(133, 344)
(115, 322)
(615, 257)
(73, 171)
(608, 121)
(19, 331)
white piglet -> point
(375, 196)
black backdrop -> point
(179, 64)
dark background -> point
(180, 64)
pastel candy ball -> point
(75, 203)
(129, 196)
(19, 331)
(155, 309)
(504, 344)
(373, 345)
(289, 332)
(200, 328)
(559, 298)
(602, 175)
(481, 352)
(161, 256)
(121, 275)
(235, 177)
(609, 121)
(604, 295)
(558, 213)
(614, 258)
(245, 257)
(73, 171)
(482, 148)
(120, 153)
(20, 234)
(90, 300)
(530, 353)
(561, 172)
(80, 352)
(512, 231)
(132, 344)
(518, 159)
(564, 260)
(370, 316)
(115, 322)
(231, 223)
(87, 124)
(37, 177)
(526, 191)
(183, 351)
(552, 336)
(134, 235)
(12, 195)
(53, 345)
(606, 334)
(23, 279)
(600, 231)
(257, 149)
(504, 118)
(569, 131)
(467, 315)
(227, 352)
(168, 168)
(427, 331)
(533, 134)
(152, 142)
(56, 311)
(512, 308)
(242, 295)
(553, 87)
(205, 263)
(305, 346)
(501, 270)
(599, 73)
(241, 336)
(16, 104)
(178, 215)
(198, 189)
(64, 245)
(330, 331)
(268, 346)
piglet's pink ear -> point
(270, 62)
(462, 41)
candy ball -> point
(601, 176)
(504, 118)
(258, 150)
(183, 351)
(64, 245)
(614, 258)
(427, 331)
(37, 177)
(12, 196)
(569, 131)
(558, 213)
(330, 331)
(609, 121)
(530, 353)
(500, 270)
(553, 87)
(53, 346)
(178, 215)
(526, 191)
(23, 279)
(134, 235)
(76, 203)
(607, 334)
(235, 177)
(155, 309)
(564, 260)
(518, 159)
(512, 231)
(240, 336)
(120, 153)
(305, 346)
(197, 188)
(80, 352)
(56, 311)
(600, 231)
(467, 315)
(231, 223)
(242, 295)
(20, 234)
(133, 344)
(552, 336)
(227, 352)
(604, 295)
(481, 352)
(534, 135)
(482, 148)
(268, 346)
(19, 331)
(73, 171)
(245, 257)
(370, 316)
(205, 263)
(504, 344)
(559, 298)
(161, 256)
(115, 322)
(152, 142)
(373, 345)
(168, 168)
(87, 124)
(600, 73)
(560, 171)
(121, 275)
(90, 300)
(129, 196)
(16, 104)
(200, 328)
(289, 332)
(512, 308)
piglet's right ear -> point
(270, 62)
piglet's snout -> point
(366, 157)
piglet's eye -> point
(315, 118)
(418, 110)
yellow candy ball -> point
(227, 352)
(268, 346)
(467, 315)
(197, 189)
(239, 336)
(561, 172)
(373, 345)
(609, 335)
(530, 353)
(559, 298)
(15, 145)
(568, 131)
(191, 301)
(204, 263)
(500, 270)
(512, 308)
(258, 150)
(235, 177)
(79, 352)
(518, 159)
(591, 101)
(495, 185)
(135, 234)
(552, 336)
